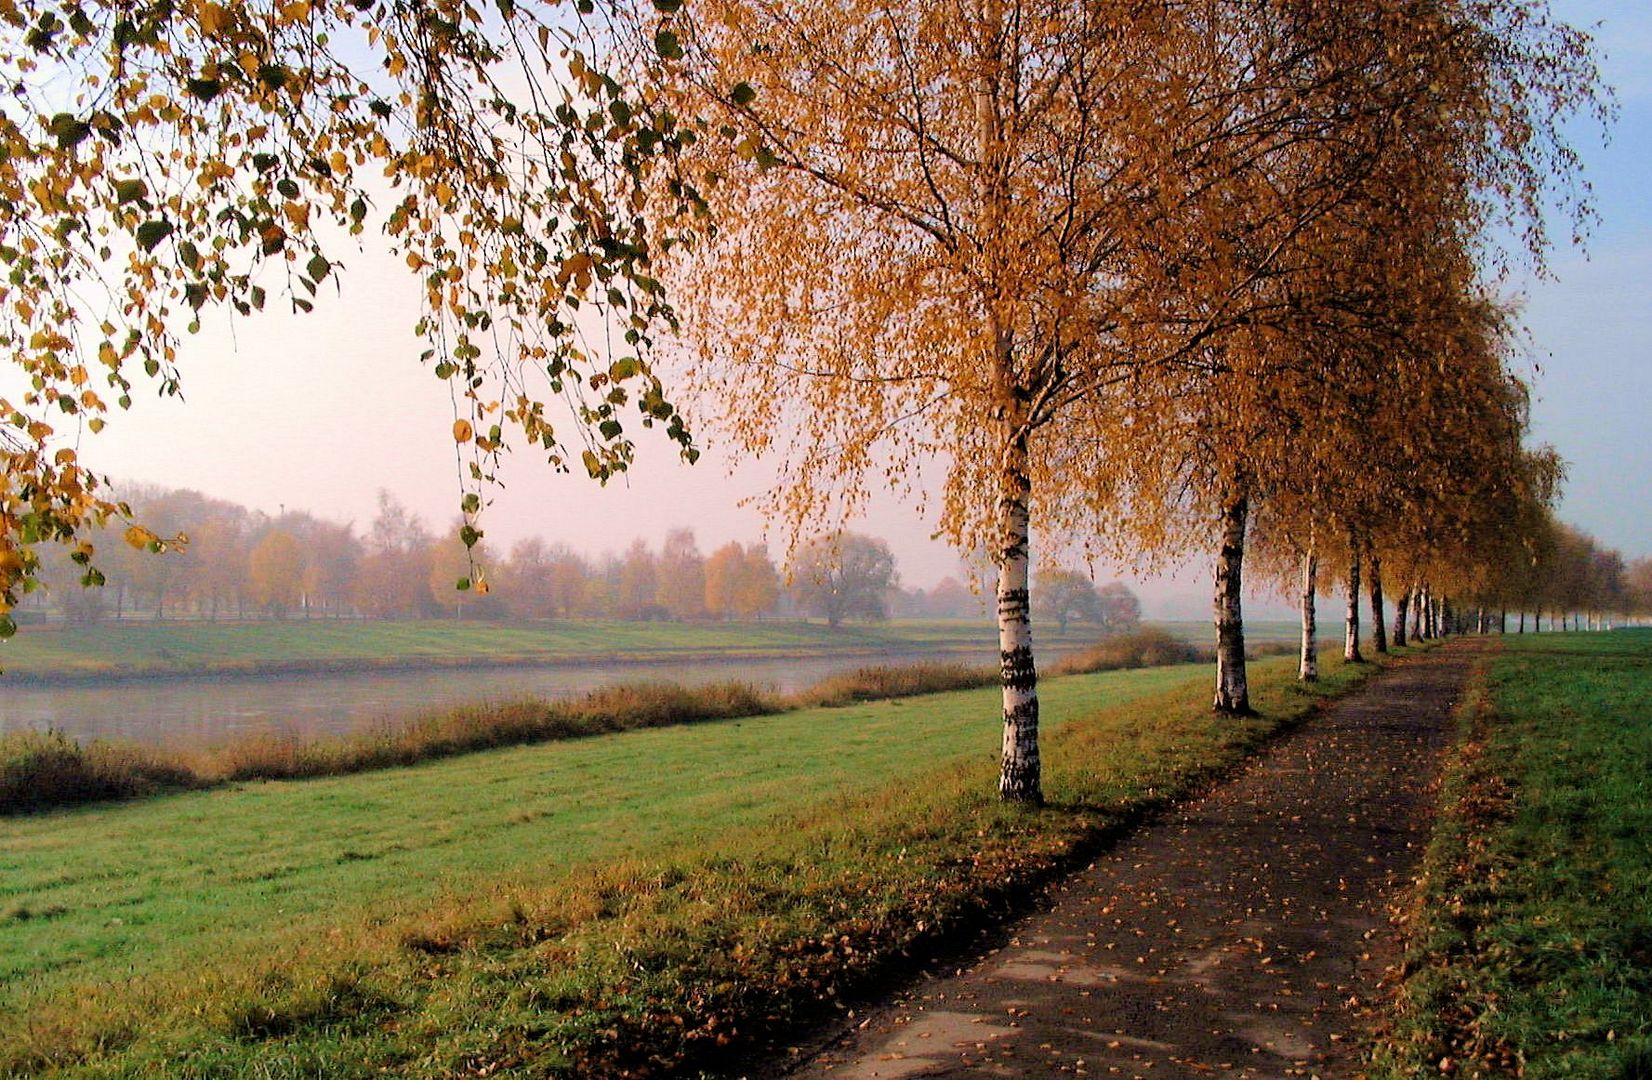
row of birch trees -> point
(1147, 276)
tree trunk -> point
(1350, 623)
(1232, 690)
(1522, 621)
(1402, 609)
(1379, 633)
(1019, 778)
(1419, 614)
(1308, 668)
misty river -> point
(206, 710)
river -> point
(203, 711)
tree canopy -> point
(170, 156)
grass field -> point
(629, 901)
(158, 648)
(1531, 938)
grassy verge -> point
(1530, 941)
(639, 903)
(41, 771)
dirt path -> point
(1237, 936)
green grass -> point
(1530, 949)
(142, 647)
(629, 901)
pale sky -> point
(318, 412)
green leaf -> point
(469, 536)
(463, 584)
(742, 94)
(625, 367)
(203, 89)
(668, 7)
(318, 267)
(667, 45)
(130, 191)
(471, 503)
(287, 187)
(68, 130)
(151, 233)
(7, 627)
(189, 255)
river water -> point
(203, 711)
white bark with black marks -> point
(1019, 778)
(1232, 688)
(1350, 624)
(1307, 669)
(1379, 633)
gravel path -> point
(1237, 936)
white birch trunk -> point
(1308, 668)
(1232, 688)
(1350, 624)
(1379, 632)
(1019, 778)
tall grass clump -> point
(1147, 647)
(884, 681)
(626, 707)
(44, 769)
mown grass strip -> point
(1530, 939)
(643, 902)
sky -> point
(319, 412)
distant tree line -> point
(237, 563)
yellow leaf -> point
(213, 17)
(139, 537)
(462, 431)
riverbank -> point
(42, 770)
(70, 655)
(134, 651)
(641, 902)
